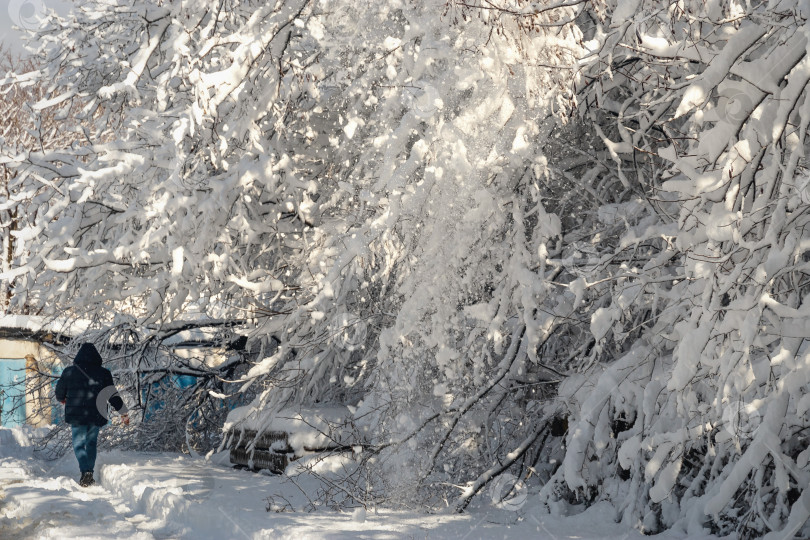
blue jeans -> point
(84, 445)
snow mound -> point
(308, 428)
(16, 441)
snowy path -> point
(161, 496)
(41, 502)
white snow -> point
(388, 194)
(307, 427)
(145, 496)
(62, 325)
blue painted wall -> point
(153, 395)
(12, 392)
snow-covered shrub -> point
(697, 389)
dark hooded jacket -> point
(85, 388)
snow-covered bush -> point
(697, 393)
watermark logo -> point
(735, 107)
(803, 187)
(27, 14)
(197, 483)
(741, 419)
(508, 492)
(348, 331)
(581, 259)
(103, 398)
(428, 103)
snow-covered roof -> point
(36, 327)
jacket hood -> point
(87, 356)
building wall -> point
(38, 360)
(13, 348)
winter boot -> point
(87, 479)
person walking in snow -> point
(85, 388)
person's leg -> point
(92, 440)
(79, 434)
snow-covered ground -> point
(147, 496)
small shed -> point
(28, 370)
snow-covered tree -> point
(697, 389)
(24, 127)
(281, 160)
(472, 222)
